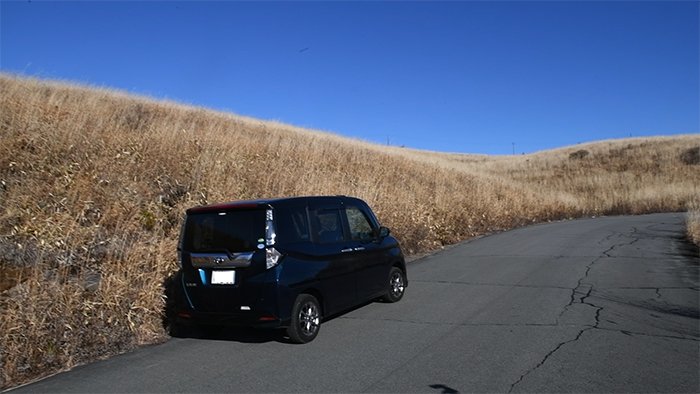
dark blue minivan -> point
(286, 263)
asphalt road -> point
(593, 305)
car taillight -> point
(272, 257)
(270, 234)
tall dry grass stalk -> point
(94, 184)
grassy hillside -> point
(94, 184)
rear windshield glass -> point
(231, 231)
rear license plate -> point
(223, 277)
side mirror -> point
(384, 232)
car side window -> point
(360, 226)
(327, 225)
(293, 226)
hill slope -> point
(95, 182)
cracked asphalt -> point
(594, 305)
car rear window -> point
(231, 231)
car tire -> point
(397, 285)
(306, 319)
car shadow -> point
(233, 334)
(443, 389)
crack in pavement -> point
(560, 345)
(574, 291)
(580, 283)
(544, 360)
(582, 299)
(581, 294)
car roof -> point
(264, 202)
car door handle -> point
(346, 250)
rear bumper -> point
(253, 305)
(239, 319)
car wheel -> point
(397, 285)
(306, 319)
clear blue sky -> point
(472, 77)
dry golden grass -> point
(693, 221)
(634, 175)
(95, 182)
